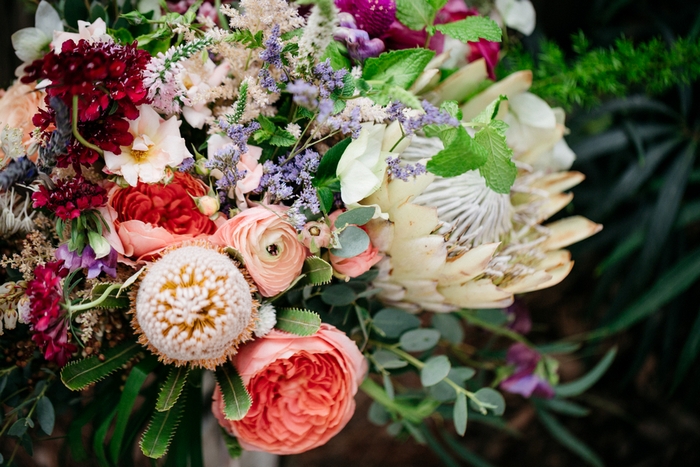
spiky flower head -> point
(194, 306)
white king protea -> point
(194, 306)
(453, 243)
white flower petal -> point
(518, 15)
(532, 110)
(29, 44)
(357, 182)
(47, 19)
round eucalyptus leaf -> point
(353, 241)
(418, 340)
(492, 400)
(394, 322)
(450, 327)
(435, 370)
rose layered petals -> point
(302, 389)
(269, 245)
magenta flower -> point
(519, 317)
(357, 41)
(524, 380)
(373, 16)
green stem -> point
(86, 306)
(473, 320)
(77, 135)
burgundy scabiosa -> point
(46, 318)
(70, 197)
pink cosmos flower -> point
(272, 253)
(302, 389)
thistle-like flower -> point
(194, 306)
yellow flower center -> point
(139, 156)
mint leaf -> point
(489, 113)
(398, 67)
(460, 155)
(338, 55)
(472, 29)
(415, 14)
(282, 138)
(388, 93)
(499, 170)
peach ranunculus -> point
(150, 217)
(357, 265)
(271, 250)
(303, 390)
(17, 107)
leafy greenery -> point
(596, 73)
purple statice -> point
(325, 109)
(431, 116)
(186, 164)
(227, 158)
(87, 260)
(267, 81)
(402, 172)
(293, 179)
(525, 380)
(329, 79)
(304, 94)
(357, 41)
(350, 125)
(273, 48)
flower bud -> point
(208, 205)
(99, 244)
(316, 235)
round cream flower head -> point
(194, 306)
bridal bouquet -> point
(301, 199)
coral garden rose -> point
(303, 390)
(357, 265)
(268, 243)
(17, 107)
(150, 217)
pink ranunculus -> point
(272, 253)
(357, 265)
(303, 390)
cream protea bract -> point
(194, 306)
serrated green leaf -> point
(78, 375)
(472, 29)
(393, 322)
(172, 388)
(45, 415)
(160, 431)
(353, 241)
(574, 388)
(435, 370)
(317, 271)
(415, 14)
(338, 55)
(137, 377)
(237, 400)
(398, 67)
(298, 322)
(462, 153)
(282, 138)
(329, 162)
(418, 340)
(232, 445)
(499, 169)
(460, 414)
(561, 434)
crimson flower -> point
(46, 318)
(70, 197)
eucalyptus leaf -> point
(357, 216)
(418, 340)
(377, 414)
(388, 360)
(45, 414)
(393, 322)
(450, 327)
(18, 428)
(435, 370)
(338, 295)
(353, 241)
(460, 414)
(491, 399)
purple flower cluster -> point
(357, 41)
(294, 178)
(329, 79)
(186, 164)
(350, 125)
(74, 261)
(272, 56)
(402, 172)
(226, 159)
(432, 116)
(304, 94)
